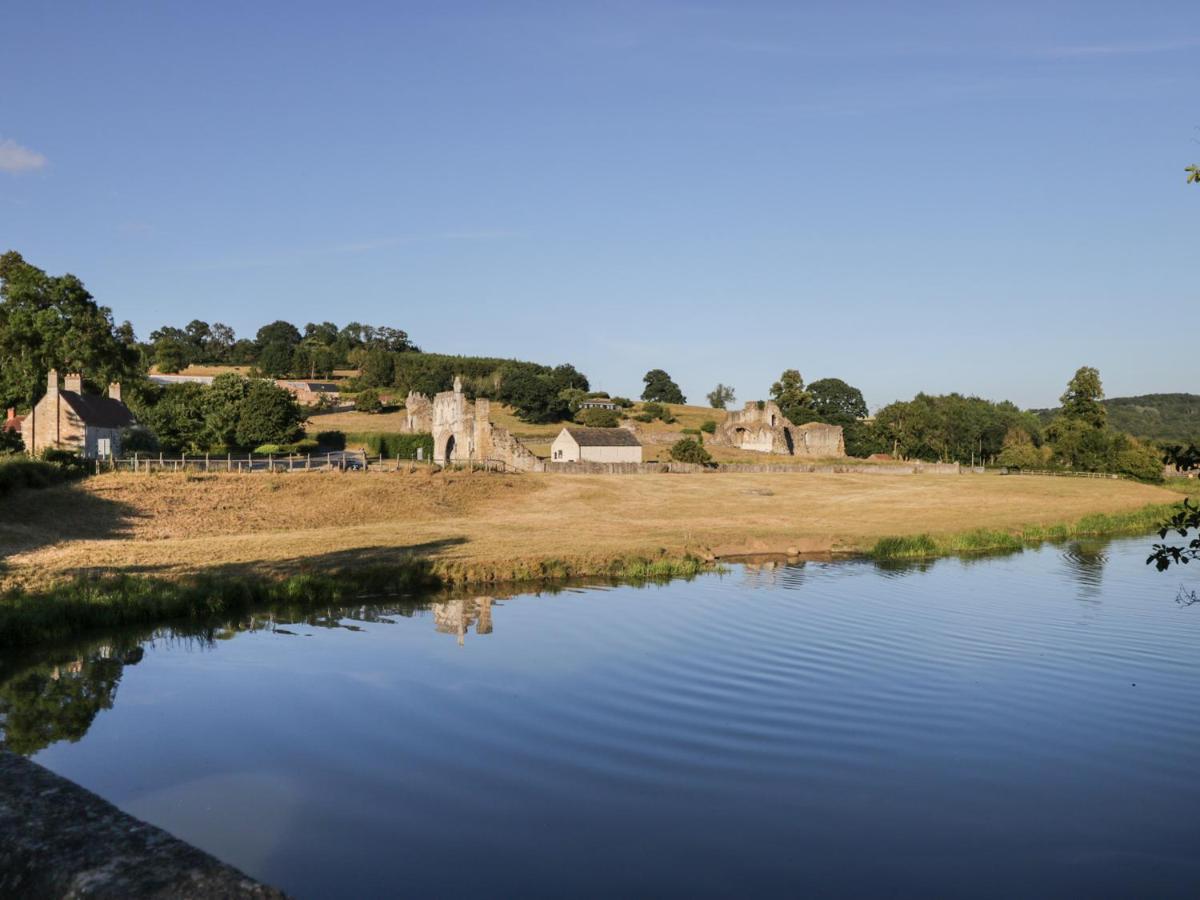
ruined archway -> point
(448, 454)
(787, 438)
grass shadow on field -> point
(32, 519)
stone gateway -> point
(463, 432)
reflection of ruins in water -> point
(772, 572)
(457, 616)
(1084, 563)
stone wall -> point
(59, 840)
(657, 468)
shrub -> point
(22, 472)
(695, 431)
(334, 440)
(688, 450)
(623, 402)
(708, 426)
(598, 418)
(643, 417)
(1022, 456)
(368, 401)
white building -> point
(603, 445)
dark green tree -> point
(269, 415)
(378, 369)
(688, 450)
(1083, 399)
(275, 359)
(836, 402)
(170, 356)
(52, 322)
(660, 388)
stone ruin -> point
(763, 427)
(463, 432)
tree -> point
(660, 388)
(52, 322)
(688, 450)
(1082, 400)
(378, 369)
(278, 332)
(222, 407)
(170, 356)
(720, 397)
(368, 401)
(268, 415)
(536, 397)
(837, 403)
(275, 359)
(791, 397)
(1193, 174)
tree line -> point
(279, 349)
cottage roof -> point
(99, 412)
(603, 437)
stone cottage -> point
(763, 427)
(69, 419)
(602, 445)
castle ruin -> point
(762, 426)
(463, 432)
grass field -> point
(479, 527)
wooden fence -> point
(312, 462)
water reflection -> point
(457, 616)
(1085, 562)
(57, 700)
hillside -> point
(1174, 418)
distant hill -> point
(1158, 417)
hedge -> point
(393, 444)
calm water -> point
(1028, 725)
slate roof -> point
(99, 412)
(604, 437)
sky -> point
(935, 196)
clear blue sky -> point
(959, 196)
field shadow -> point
(34, 518)
(355, 559)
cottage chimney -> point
(52, 383)
(12, 414)
(114, 390)
(73, 382)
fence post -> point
(308, 463)
(205, 463)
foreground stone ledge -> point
(60, 840)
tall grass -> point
(984, 540)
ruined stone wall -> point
(418, 411)
(761, 426)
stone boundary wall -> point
(59, 840)
(652, 468)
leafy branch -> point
(1184, 522)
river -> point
(1023, 725)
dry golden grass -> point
(494, 527)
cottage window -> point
(103, 447)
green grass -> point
(84, 604)
(982, 540)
